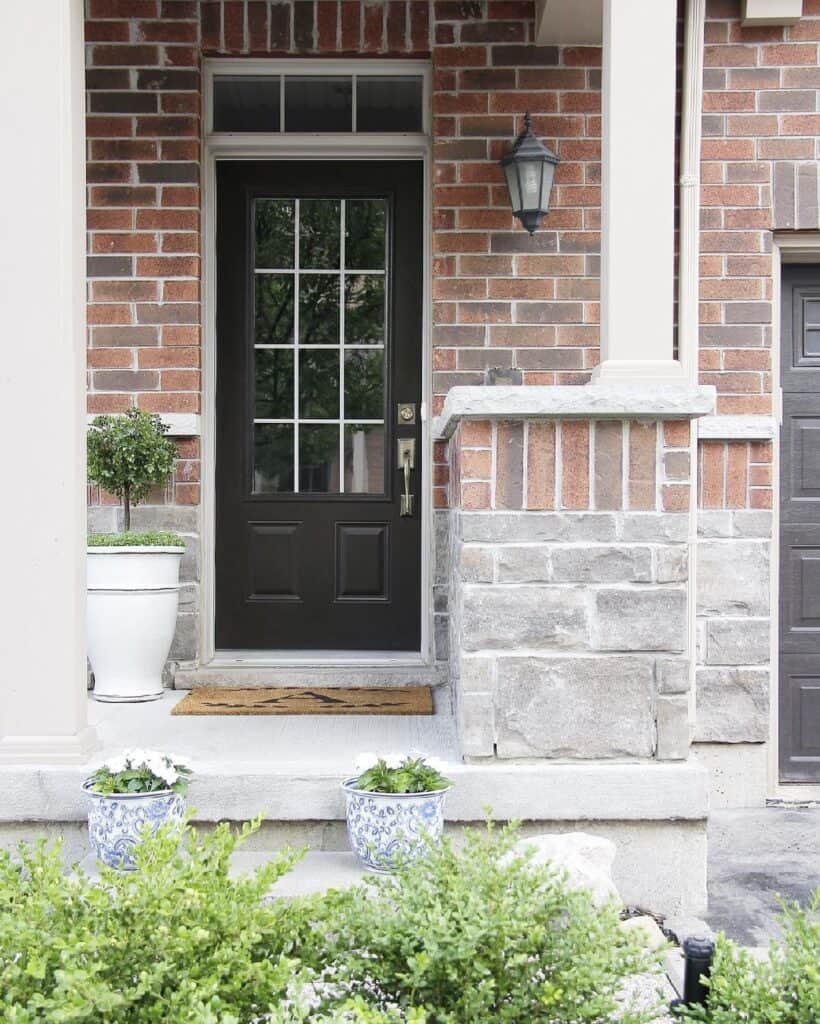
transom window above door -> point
(325, 102)
(319, 341)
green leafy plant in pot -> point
(395, 807)
(133, 578)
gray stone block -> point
(737, 641)
(442, 524)
(645, 619)
(582, 707)
(441, 626)
(535, 527)
(752, 523)
(474, 563)
(604, 564)
(714, 523)
(176, 518)
(103, 519)
(526, 563)
(653, 527)
(733, 577)
(672, 564)
(189, 597)
(476, 726)
(189, 566)
(476, 675)
(528, 616)
(673, 728)
(672, 675)
(732, 705)
(186, 638)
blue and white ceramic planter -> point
(116, 821)
(381, 826)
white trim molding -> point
(771, 12)
(302, 146)
(179, 424)
(568, 401)
(737, 428)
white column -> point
(638, 198)
(42, 385)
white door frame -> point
(303, 146)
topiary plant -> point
(128, 455)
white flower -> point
(436, 764)
(116, 764)
(394, 760)
(366, 761)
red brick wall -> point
(576, 465)
(502, 300)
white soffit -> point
(568, 22)
(772, 12)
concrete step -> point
(316, 872)
(311, 675)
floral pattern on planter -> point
(381, 826)
(116, 821)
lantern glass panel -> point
(530, 173)
(546, 186)
(511, 171)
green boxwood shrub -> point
(480, 934)
(784, 988)
(472, 937)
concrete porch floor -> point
(288, 770)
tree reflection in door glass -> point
(274, 384)
(364, 234)
(318, 458)
(274, 309)
(272, 458)
(274, 233)
(319, 234)
(364, 385)
(364, 309)
(319, 309)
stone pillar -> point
(570, 570)
(42, 385)
(638, 198)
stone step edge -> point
(364, 676)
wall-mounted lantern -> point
(530, 169)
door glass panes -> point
(319, 346)
(389, 104)
(318, 104)
(244, 103)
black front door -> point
(319, 334)
(800, 526)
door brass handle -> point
(407, 459)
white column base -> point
(49, 750)
(639, 372)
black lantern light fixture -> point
(530, 169)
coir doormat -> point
(307, 700)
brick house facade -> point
(507, 310)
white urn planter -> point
(384, 826)
(133, 594)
